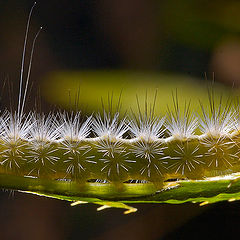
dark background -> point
(183, 37)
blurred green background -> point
(104, 47)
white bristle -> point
(73, 128)
(218, 123)
(44, 128)
(114, 156)
(42, 154)
(76, 156)
(181, 126)
(147, 128)
(15, 127)
(186, 159)
(218, 151)
(147, 150)
(108, 126)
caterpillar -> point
(59, 147)
(109, 157)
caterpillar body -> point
(59, 147)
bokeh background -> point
(104, 47)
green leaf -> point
(210, 190)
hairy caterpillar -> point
(59, 147)
(133, 156)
